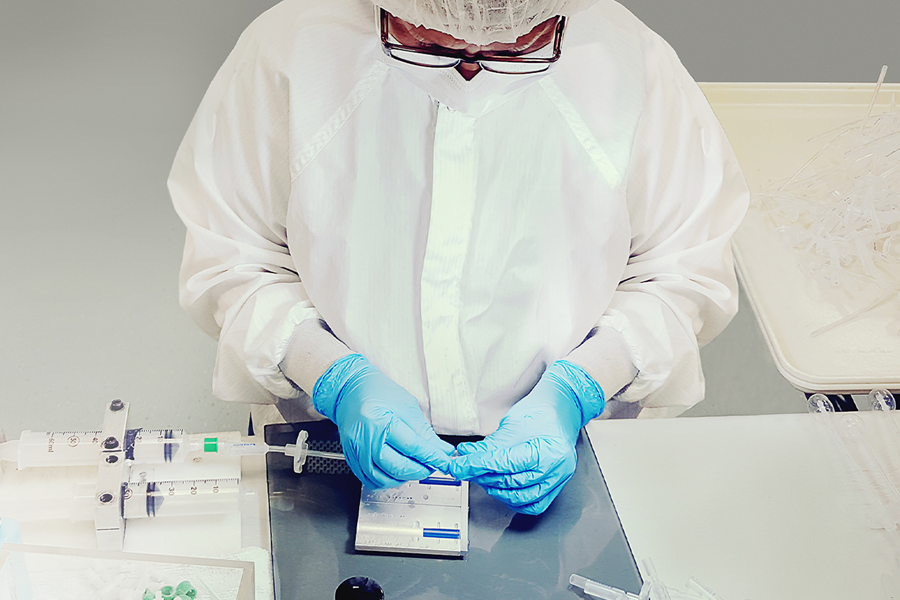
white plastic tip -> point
(9, 451)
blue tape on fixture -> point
(440, 481)
(448, 534)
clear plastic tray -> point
(769, 125)
(48, 573)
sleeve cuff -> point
(606, 358)
(311, 350)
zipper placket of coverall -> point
(449, 233)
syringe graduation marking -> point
(175, 482)
(151, 499)
(133, 437)
(167, 449)
(156, 492)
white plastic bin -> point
(769, 125)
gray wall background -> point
(95, 96)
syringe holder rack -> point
(108, 501)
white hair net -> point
(481, 22)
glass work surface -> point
(313, 524)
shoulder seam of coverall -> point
(614, 177)
(338, 118)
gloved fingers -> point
(510, 481)
(412, 416)
(370, 475)
(532, 500)
(472, 447)
(445, 447)
(517, 459)
(364, 449)
(432, 452)
(552, 466)
(506, 436)
(432, 438)
(399, 467)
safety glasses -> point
(497, 62)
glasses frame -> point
(462, 57)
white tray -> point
(768, 125)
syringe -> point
(299, 451)
(79, 448)
(146, 446)
(140, 499)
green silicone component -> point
(148, 595)
(167, 591)
(211, 445)
(186, 590)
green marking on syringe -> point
(211, 445)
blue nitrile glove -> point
(531, 456)
(385, 436)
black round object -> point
(359, 588)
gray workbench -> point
(313, 520)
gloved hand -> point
(384, 434)
(531, 456)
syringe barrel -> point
(156, 446)
(141, 500)
(59, 449)
(83, 448)
(182, 498)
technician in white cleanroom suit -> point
(398, 245)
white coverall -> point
(460, 251)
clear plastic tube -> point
(853, 432)
(658, 590)
(855, 314)
(704, 592)
(599, 590)
(852, 438)
(841, 205)
(877, 90)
